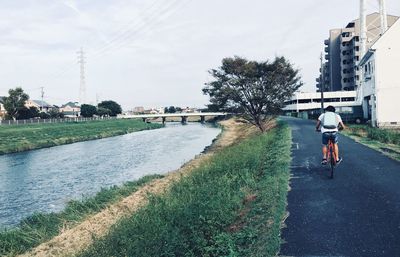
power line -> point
(125, 35)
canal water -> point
(45, 180)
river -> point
(45, 180)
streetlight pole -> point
(322, 84)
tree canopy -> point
(114, 107)
(88, 110)
(103, 112)
(251, 88)
(15, 102)
(28, 113)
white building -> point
(42, 106)
(71, 109)
(381, 71)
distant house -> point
(42, 106)
(189, 110)
(2, 109)
(71, 109)
(138, 109)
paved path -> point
(355, 214)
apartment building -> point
(342, 53)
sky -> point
(156, 53)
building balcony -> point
(326, 42)
(327, 57)
(326, 49)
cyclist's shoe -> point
(324, 161)
(339, 161)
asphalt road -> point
(355, 214)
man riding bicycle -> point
(329, 123)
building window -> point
(304, 101)
(348, 99)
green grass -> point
(383, 140)
(231, 206)
(382, 135)
(28, 137)
(40, 228)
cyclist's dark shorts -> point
(327, 135)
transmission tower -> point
(82, 86)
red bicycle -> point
(331, 158)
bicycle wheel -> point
(332, 160)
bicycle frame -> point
(331, 156)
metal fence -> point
(43, 121)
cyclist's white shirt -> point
(323, 130)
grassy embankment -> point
(35, 136)
(231, 206)
(383, 140)
(41, 227)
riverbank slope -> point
(18, 138)
(256, 177)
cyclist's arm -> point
(341, 124)
(318, 125)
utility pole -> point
(363, 28)
(82, 86)
(322, 83)
(382, 11)
(363, 50)
(42, 94)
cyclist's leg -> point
(324, 147)
(335, 139)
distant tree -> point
(178, 109)
(15, 102)
(165, 109)
(28, 113)
(253, 89)
(55, 113)
(171, 109)
(114, 107)
(88, 110)
(44, 115)
(103, 112)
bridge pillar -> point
(202, 118)
(184, 119)
(144, 119)
(163, 120)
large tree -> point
(88, 110)
(256, 90)
(15, 102)
(114, 107)
(102, 112)
(28, 113)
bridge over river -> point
(183, 115)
